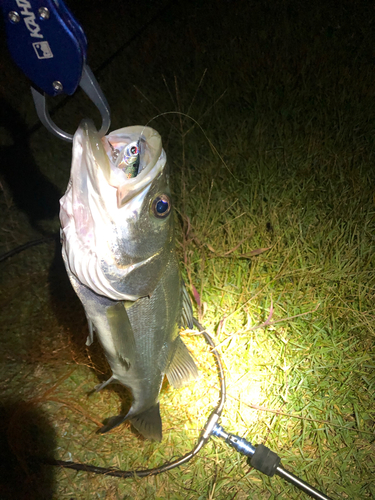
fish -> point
(119, 250)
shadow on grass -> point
(25, 435)
(31, 191)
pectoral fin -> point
(122, 333)
(182, 368)
(90, 338)
(101, 386)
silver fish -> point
(119, 251)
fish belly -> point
(139, 340)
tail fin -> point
(148, 423)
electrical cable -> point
(259, 457)
(204, 436)
(211, 427)
(27, 245)
(202, 440)
(266, 461)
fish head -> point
(116, 215)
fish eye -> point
(161, 206)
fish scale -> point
(119, 252)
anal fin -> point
(182, 368)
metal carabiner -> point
(50, 47)
(90, 86)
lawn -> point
(267, 115)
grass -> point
(275, 225)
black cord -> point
(27, 245)
(216, 413)
(203, 438)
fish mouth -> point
(130, 173)
(102, 207)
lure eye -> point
(131, 149)
(129, 159)
(161, 206)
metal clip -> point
(90, 86)
(49, 45)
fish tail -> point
(148, 423)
